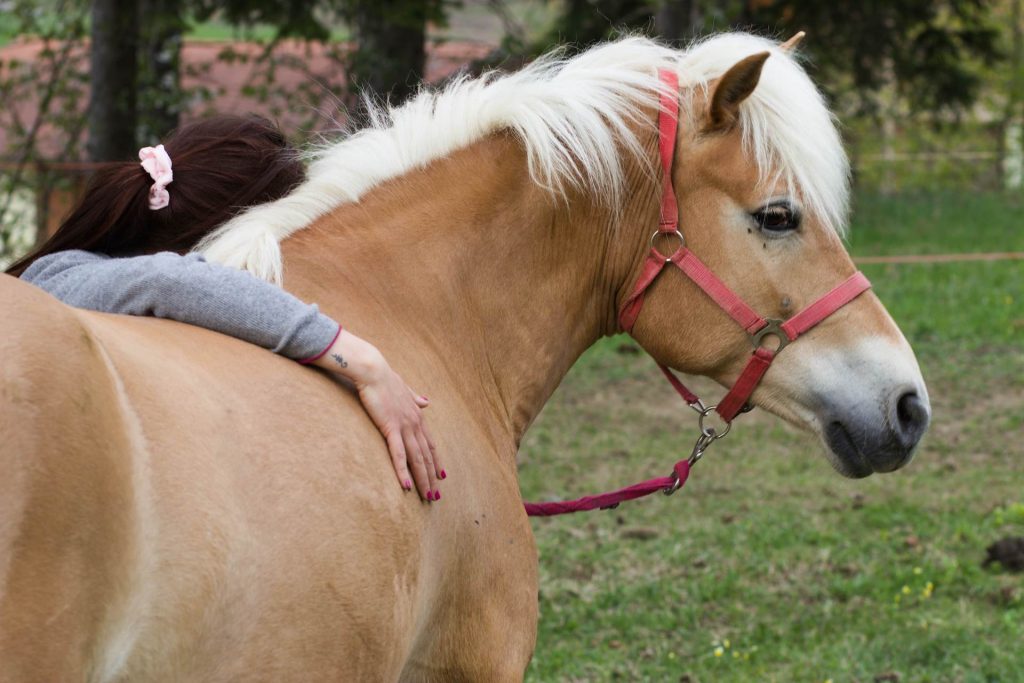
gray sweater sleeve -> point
(188, 289)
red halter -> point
(756, 327)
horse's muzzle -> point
(866, 444)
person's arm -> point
(190, 290)
(386, 399)
(233, 302)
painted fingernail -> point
(431, 495)
(444, 475)
(424, 398)
(437, 495)
(408, 485)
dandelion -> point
(905, 590)
(918, 571)
(719, 651)
(735, 654)
(726, 643)
(926, 592)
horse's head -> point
(762, 182)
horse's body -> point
(176, 505)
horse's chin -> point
(843, 454)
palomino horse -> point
(177, 505)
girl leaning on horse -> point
(125, 249)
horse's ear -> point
(791, 44)
(732, 88)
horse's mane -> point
(575, 118)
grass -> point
(220, 31)
(768, 566)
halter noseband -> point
(756, 327)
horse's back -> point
(178, 504)
(65, 495)
(288, 505)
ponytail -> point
(222, 166)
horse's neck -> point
(468, 267)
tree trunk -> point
(160, 96)
(1013, 126)
(390, 36)
(112, 117)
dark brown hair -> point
(221, 165)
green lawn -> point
(768, 566)
(217, 30)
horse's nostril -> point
(911, 418)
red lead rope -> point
(753, 324)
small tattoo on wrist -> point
(339, 360)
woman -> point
(124, 249)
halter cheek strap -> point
(756, 327)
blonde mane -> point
(575, 118)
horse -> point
(178, 505)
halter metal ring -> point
(773, 328)
(682, 240)
(711, 432)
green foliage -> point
(924, 48)
(768, 566)
(290, 18)
(56, 81)
(924, 158)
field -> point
(768, 566)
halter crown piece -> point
(756, 327)
(157, 164)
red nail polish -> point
(408, 485)
(437, 495)
(431, 495)
(444, 475)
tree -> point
(160, 97)
(40, 97)
(389, 36)
(924, 50)
(1013, 124)
(390, 44)
(114, 74)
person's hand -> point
(394, 408)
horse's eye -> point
(777, 218)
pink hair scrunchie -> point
(158, 165)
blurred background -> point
(929, 93)
(768, 566)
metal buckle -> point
(682, 241)
(773, 328)
(711, 432)
(708, 435)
